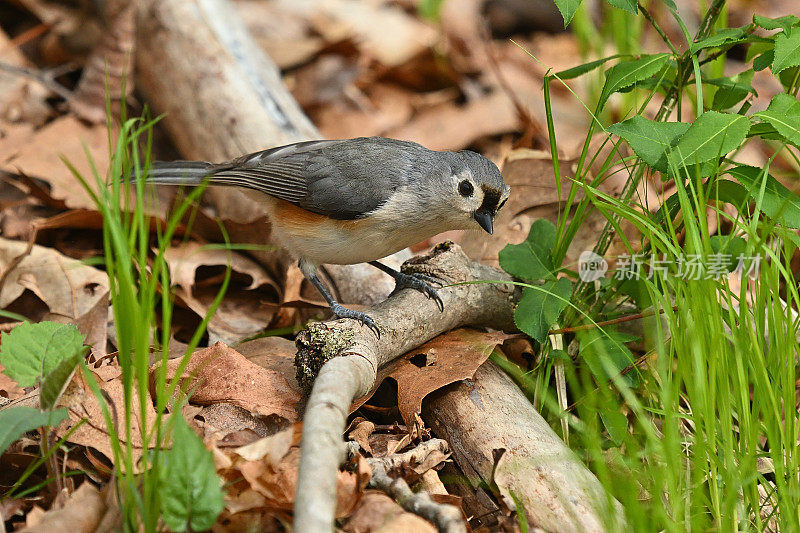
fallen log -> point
(344, 355)
(489, 415)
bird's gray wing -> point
(344, 180)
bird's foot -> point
(422, 283)
(343, 312)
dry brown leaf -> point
(94, 325)
(382, 31)
(361, 434)
(272, 25)
(221, 374)
(379, 512)
(198, 274)
(8, 387)
(270, 482)
(81, 403)
(384, 107)
(67, 287)
(442, 127)
(446, 359)
(38, 154)
(22, 99)
(184, 260)
(269, 449)
(82, 513)
(228, 425)
(251, 520)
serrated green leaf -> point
(732, 90)
(787, 50)
(31, 351)
(783, 114)
(567, 8)
(711, 136)
(765, 131)
(631, 6)
(722, 37)
(16, 421)
(532, 259)
(56, 381)
(189, 488)
(580, 70)
(540, 307)
(627, 73)
(785, 23)
(605, 352)
(650, 140)
(778, 202)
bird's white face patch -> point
(464, 193)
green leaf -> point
(779, 203)
(627, 73)
(531, 260)
(787, 50)
(783, 114)
(567, 9)
(785, 23)
(16, 421)
(631, 6)
(787, 77)
(31, 351)
(189, 488)
(711, 136)
(540, 307)
(765, 131)
(580, 70)
(728, 245)
(56, 381)
(615, 423)
(732, 193)
(650, 140)
(732, 90)
(722, 37)
(637, 290)
(764, 60)
(605, 352)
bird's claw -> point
(422, 283)
(343, 312)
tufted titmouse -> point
(357, 200)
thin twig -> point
(24, 37)
(618, 320)
(43, 77)
(446, 518)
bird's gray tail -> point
(178, 172)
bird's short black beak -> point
(485, 219)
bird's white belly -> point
(320, 239)
(345, 242)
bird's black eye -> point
(465, 189)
